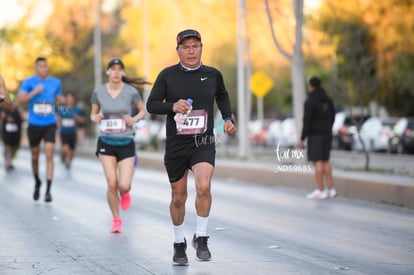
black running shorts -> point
(176, 166)
(319, 148)
(68, 139)
(120, 152)
(11, 139)
(37, 133)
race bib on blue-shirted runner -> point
(196, 123)
(42, 108)
(113, 124)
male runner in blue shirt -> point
(41, 92)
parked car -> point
(146, 132)
(402, 136)
(344, 130)
(274, 133)
(375, 133)
(258, 131)
(289, 135)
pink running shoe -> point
(116, 226)
(125, 201)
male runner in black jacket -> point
(192, 146)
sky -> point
(12, 11)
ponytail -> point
(137, 82)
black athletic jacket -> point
(204, 85)
(319, 114)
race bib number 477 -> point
(196, 123)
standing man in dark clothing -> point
(191, 146)
(319, 116)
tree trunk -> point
(297, 67)
(298, 89)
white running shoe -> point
(332, 193)
(317, 195)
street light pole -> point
(97, 44)
(145, 47)
(241, 97)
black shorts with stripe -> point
(120, 152)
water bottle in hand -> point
(181, 118)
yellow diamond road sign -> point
(260, 83)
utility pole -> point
(97, 44)
(145, 47)
(241, 96)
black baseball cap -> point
(181, 36)
(115, 60)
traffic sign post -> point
(260, 85)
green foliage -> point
(356, 62)
(373, 51)
(363, 50)
(402, 71)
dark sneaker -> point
(48, 197)
(200, 245)
(36, 193)
(180, 257)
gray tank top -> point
(113, 109)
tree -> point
(356, 61)
(402, 71)
(296, 59)
(392, 24)
(387, 26)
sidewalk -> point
(389, 189)
(376, 187)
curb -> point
(387, 189)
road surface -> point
(254, 229)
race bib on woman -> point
(196, 123)
(113, 124)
